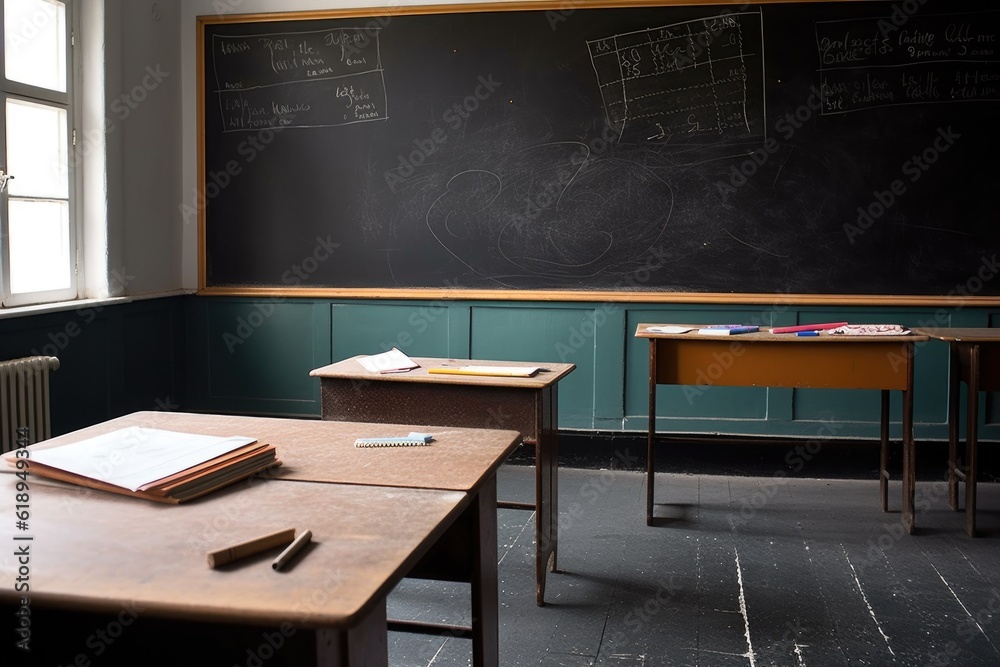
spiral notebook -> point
(412, 440)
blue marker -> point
(807, 333)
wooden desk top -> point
(766, 336)
(350, 369)
(103, 552)
(323, 451)
(962, 334)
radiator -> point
(24, 400)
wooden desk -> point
(975, 360)
(526, 405)
(785, 360)
(100, 554)
(322, 453)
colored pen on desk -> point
(807, 333)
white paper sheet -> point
(134, 456)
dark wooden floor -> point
(743, 571)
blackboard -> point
(807, 148)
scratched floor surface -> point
(741, 571)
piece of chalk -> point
(250, 547)
(291, 550)
(807, 333)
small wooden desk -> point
(323, 453)
(975, 360)
(526, 405)
(764, 359)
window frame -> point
(69, 102)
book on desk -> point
(153, 464)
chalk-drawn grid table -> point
(691, 79)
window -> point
(38, 250)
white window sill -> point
(78, 304)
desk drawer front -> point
(814, 364)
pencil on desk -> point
(250, 547)
(291, 550)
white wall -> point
(190, 11)
(148, 110)
(131, 127)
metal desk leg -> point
(972, 442)
(909, 448)
(651, 437)
(883, 476)
(954, 398)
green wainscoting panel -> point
(113, 359)
(259, 354)
(547, 333)
(242, 355)
(265, 373)
(418, 329)
(151, 375)
(87, 345)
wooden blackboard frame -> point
(450, 294)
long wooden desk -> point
(369, 532)
(783, 360)
(527, 405)
(974, 360)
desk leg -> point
(972, 442)
(883, 474)
(485, 598)
(364, 645)
(546, 490)
(909, 448)
(954, 397)
(651, 437)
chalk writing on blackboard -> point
(320, 78)
(936, 58)
(691, 80)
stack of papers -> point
(392, 361)
(164, 466)
(669, 329)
